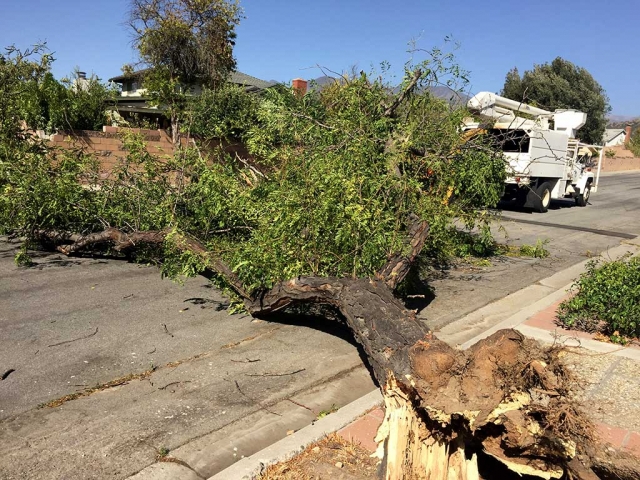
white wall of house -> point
(140, 92)
(617, 140)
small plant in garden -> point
(607, 300)
(610, 153)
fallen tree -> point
(355, 184)
(506, 396)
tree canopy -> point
(45, 103)
(330, 187)
(183, 42)
(561, 84)
(192, 39)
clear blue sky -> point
(281, 39)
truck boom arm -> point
(501, 110)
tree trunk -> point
(175, 129)
(506, 397)
(443, 406)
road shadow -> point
(41, 260)
(513, 206)
(418, 293)
(322, 318)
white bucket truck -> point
(543, 158)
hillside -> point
(621, 121)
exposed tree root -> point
(506, 396)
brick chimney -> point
(299, 85)
(627, 134)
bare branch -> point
(390, 110)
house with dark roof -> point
(133, 100)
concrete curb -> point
(546, 336)
(525, 302)
(617, 172)
(288, 447)
(516, 320)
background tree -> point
(634, 142)
(561, 84)
(512, 85)
(45, 103)
(183, 42)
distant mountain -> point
(622, 118)
(454, 97)
(321, 82)
(621, 121)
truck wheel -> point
(583, 198)
(542, 198)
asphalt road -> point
(67, 325)
(571, 234)
(613, 214)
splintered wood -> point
(411, 451)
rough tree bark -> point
(444, 407)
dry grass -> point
(116, 383)
(318, 462)
(103, 386)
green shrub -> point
(634, 143)
(227, 112)
(607, 299)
